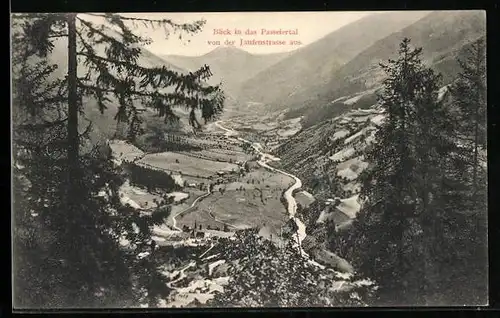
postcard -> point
(249, 159)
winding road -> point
(174, 221)
(198, 199)
(292, 203)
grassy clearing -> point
(197, 181)
(266, 178)
(220, 155)
(257, 204)
(259, 179)
(124, 151)
(201, 217)
(241, 209)
(142, 197)
(193, 194)
(188, 165)
(303, 199)
(176, 208)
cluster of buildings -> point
(197, 230)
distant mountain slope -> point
(229, 65)
(443, 36)
(315, 63)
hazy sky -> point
(311, 26)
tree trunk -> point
(73, 245)
(429, 239)
(476, 128)
(72, 128)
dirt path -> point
(174, 221)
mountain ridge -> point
(316, 62)
(229, 65)
(439, 44)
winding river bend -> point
(265, 158)
(291, 209)
(291, 202)
(347, 270)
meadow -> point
(187, 165)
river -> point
(291, 202)
(291, 209)
(265, 158)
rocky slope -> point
(237, 264)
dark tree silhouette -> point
(50, 149)
(406, 233)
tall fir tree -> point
(64, 184)
(465, 188)
(397, 224)
(117, 73)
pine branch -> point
(40, 30)
(132, 53)
(162, 75)
(189, 27)
(57, 35)
(177, 99)
(154, 78)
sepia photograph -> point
(249, 159)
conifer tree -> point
(67, 249)
(117, 74)
(464, 190)
(396, 224)
(64, 182)
(469, 93)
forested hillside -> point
(290, 81)
(445, 35)
(68, 216)
(410, 174)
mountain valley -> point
(262, 200)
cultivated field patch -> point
(123, 150)
(242, 209)
(187, 165)
(222, 155)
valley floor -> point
(218, 199)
